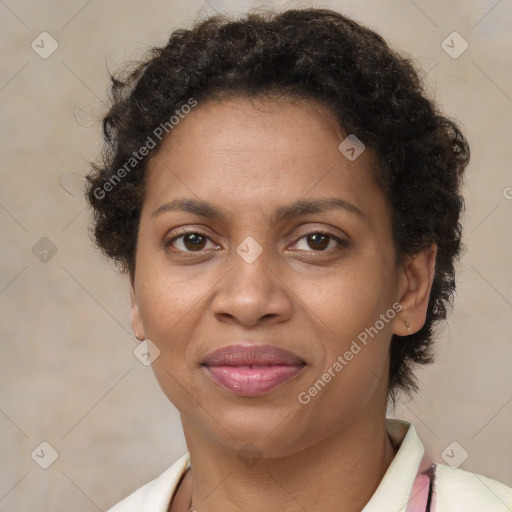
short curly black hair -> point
(318, 54)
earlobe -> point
(416, 281)
(136, 320)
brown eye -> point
(321, 242)
(318, 241)
(191, 241)
(194, 241)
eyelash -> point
(341, 243)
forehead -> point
(255, 155)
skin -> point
(247, 158)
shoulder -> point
(155, 495)
(458, 490)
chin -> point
(271, 432)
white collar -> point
(394, 489)
(390, 496)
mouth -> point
(252, 370)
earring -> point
(408, 325)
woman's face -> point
(306, 280)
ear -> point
(136, 320)
(416, 278)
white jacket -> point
(454, 490)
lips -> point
(251, 370)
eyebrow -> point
(283, 213)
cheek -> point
(170, 311)
(346, 305)
(347, 299)
(355, 347)
(168, 298)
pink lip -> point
(252, 370)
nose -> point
(252, 293)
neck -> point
(339, 473)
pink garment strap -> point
(422, 497)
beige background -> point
(67, 370)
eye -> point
(319, 241)
(190, 241)
(197, 241)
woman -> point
(285, 201)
